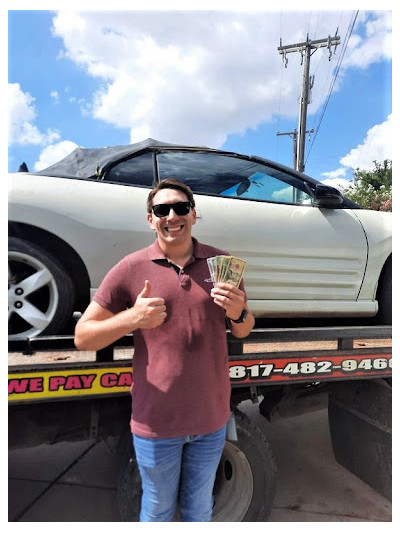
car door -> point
(296, 252)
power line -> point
(348, 34)
(319, 63)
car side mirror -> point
(327, 196)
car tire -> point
(384, 295)
(245, 484)
(40, 294)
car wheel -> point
(245, 483)
(384, 295)
(40, 293)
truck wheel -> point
(245, 483)
(40, 293)
(360, 422)
(384, 295)
(129, 485)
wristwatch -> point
(242, 317)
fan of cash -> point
(226, 269)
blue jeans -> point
(178, 471)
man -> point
(181, 387)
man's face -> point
(172, 229)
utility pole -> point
(294, 135)
(306, 50)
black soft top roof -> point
(90, 162)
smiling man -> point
(181, 392)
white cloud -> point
(338, 183)
(377, 46)
(53, 153)
(55, 96)
(336, 178)
(334, 174)
(284, 195)
(377, 146)
(197, 76)
(21, 118)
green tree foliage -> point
(372, 189)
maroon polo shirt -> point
(180, 368)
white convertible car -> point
(311, 252)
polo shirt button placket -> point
(184, 279)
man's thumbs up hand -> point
(149, 312)
(146, 290)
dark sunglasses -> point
(180, 208)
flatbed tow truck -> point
(57, 394)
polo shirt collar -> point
(199, 251)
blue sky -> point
(213, 78)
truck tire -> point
(245, 484)
(40, 293)
(360, 421)
(384, 295)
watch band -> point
(242, 317)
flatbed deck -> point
(50, 368)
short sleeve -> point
(114, 293)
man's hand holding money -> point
(226, 274)
(230, 298)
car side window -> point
(232, 176)
(137, 170)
